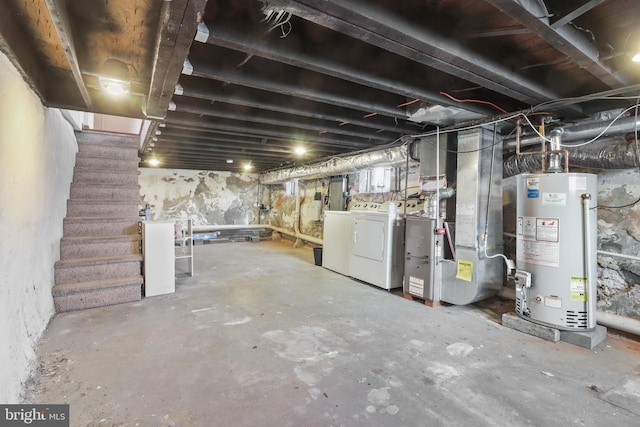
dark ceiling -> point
(334, 76)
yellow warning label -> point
(465, 270)
(578, 288)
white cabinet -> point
(158, 257)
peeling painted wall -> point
(37, 156)
(206, 197)
(281, 204)
(618, 232)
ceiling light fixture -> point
(229, 161)
(114, 77)
(636, 57)
(153, 162)
(300, 150)
(248, 167)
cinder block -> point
(585, 339)
(513, 321)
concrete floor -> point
(262, 337)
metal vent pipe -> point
(582, 131)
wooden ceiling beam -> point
(60, 20)
(178, 25)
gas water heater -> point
(556, 237)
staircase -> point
(100, 261)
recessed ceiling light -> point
(300, 150)
(248, 166)
(153, 162)
(229, 161)
(114, 77)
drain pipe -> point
(296, 221)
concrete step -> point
(107, 138)
(87, 161)
(96, 293)
(105, 192)
(91, 226)
(75, 270)
(87, 247)
(109, 151)
(99, 208)
(82, 177)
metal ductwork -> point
(614, 153)
(392, 156)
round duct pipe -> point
(582, 131)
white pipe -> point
(437, 212)
(620, 323)
(296, 221)
(213, 227)
(604, 318)
(635, 258)
(300, 236)
(588, 261)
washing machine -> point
(377, 244)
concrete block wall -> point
(206, 197)
(37, 156)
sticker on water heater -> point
(554, 199)
(547, 229)
(578, 288)
(533, 188)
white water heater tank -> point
(556, 238)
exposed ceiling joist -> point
(178, 24)
(564, 20)
(256, 131)
(565, 39)
(296, 91)
(220, 37)
(283, 108)
(368, 23)
(337, 130)
(60, 19)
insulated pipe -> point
(338, 165)
(604, 154)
